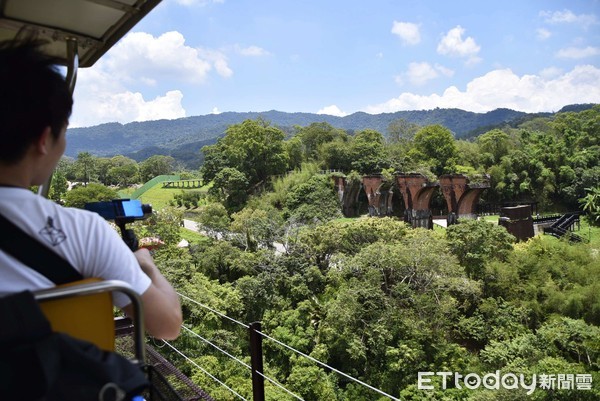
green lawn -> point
(193, 237)
(590, 233)
(160, 197)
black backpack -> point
(39, 364)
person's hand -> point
(145, 260)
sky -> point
(338, 57)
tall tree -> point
(317, 134)
(435, 144)
(85, 167)
(254, 148)
(156, 165)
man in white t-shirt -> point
(35, 105)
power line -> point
(296, 351)
(329, 367)
(212, 310)
(204, 370)
(242, 362)
(217, 347)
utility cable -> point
(296, 351)
(212, 310)
(329, 367)
(242, 362)
(204, 370)
(217, 347)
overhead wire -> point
(322, 364)
(242, 362)
(329, 367)
(213, 310)
(204, 370)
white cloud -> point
(578, 53)
(550, 72)
(215, 110)
(140, 55)
(543, 34)
(332, 110)
(96, 104)
(447, 72)
(252, 51)
(420, 73)
(164, 63)
(423, 72)
(407, 31)
(568, 17)
(503, 88)
(452, 44)
(218, 60)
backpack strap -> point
(35, 255)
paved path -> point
(193, 226)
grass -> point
(192, 237)
(492, 218)
(590, 233)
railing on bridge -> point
(564, 227)
(184, 184)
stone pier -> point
(461, 196)
(416, 191)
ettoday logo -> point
(509, 381)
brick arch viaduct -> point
(413, 192)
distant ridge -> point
(184, 137)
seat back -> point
(87, 317)
(84, 310)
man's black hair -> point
(33, 96)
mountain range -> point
(184, 137)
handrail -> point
(98, 287)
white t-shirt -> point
(81, 237)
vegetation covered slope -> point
(371, 296)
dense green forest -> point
(373, 297)
(183, 138)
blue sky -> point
(196, 57)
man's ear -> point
(44, 141)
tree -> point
(401, 131)
(58, 187)
(213, 218)
(317, 134)
(314, 200)
(123, 176)
(293, 150)
(85, 167)
(367, 152)
(494, 144)
(122, 171)
(257, 227)
(475, 242)
(93, 192)
(591, 204)
(436, 144)
(254, 148)
(336, 155)
(156, 165)
(232, 186)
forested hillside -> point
(183, 137)
(371, 296)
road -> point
(193, 226)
